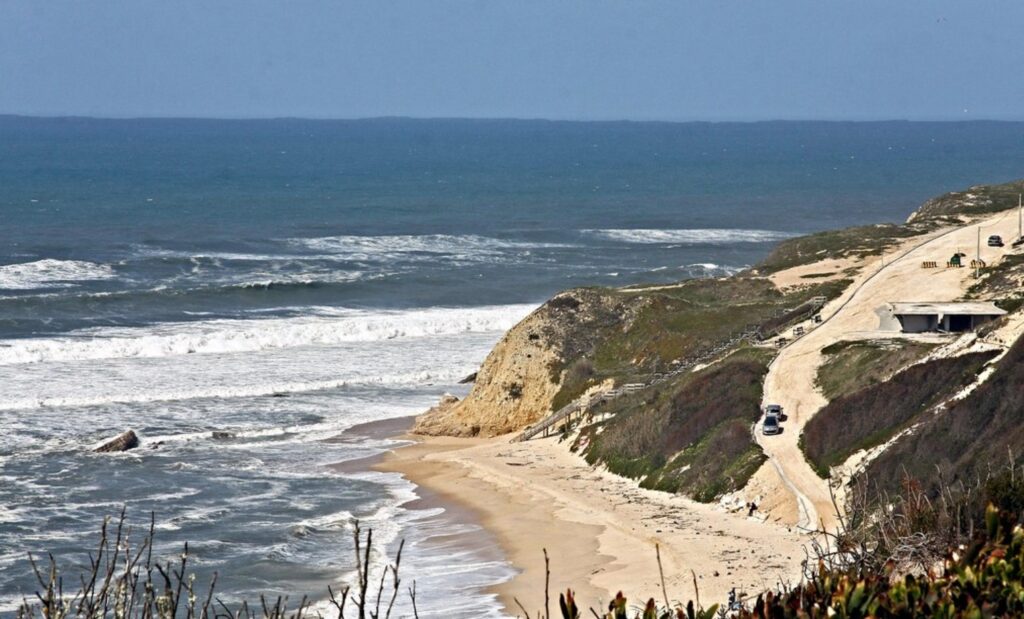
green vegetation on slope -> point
(873, 240)
(871, 416)
(978, 200)
(846, 243)
(850, 366)
(960, 442)
(675, 323)
(1002, 282)
(690, 436)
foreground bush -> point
(982, 579)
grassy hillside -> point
(977, 200)
(690, 436)
(1002, 283)
(872, 240)
(855, 242)
(674, 323)
(851, 366)
(961, 442)
(872, 415)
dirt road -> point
(897, 276)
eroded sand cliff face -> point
(520, 377)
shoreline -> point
(479, 540)
(503, 515)
(600, 530)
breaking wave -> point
(324, 326)
(694, 236)
(391, 246)
(410, 379)
(50, 273)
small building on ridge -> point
(943, 317)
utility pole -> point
(977, 262)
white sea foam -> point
(711, 267)
(50, 273)
(324, 326)
(177, 392)
(694, 236)
(408, 246)
(307, 278)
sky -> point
(714, 60)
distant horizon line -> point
(4, 115)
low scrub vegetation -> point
(851, 366)
(958, 555)
(1002, 282)
(873, 240)
(675, 324)
(960, 441)
(690, 436)
(872, 415)
(855, 242)
(978, 200)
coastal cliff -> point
(690, 433)
(522, 375)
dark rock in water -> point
(279, 395)
(122, 442)
(220, 436)
(469, 379)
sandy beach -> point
(600, 531)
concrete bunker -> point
(940, 317)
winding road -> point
(791, 376)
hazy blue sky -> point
(586, 59)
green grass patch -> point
(850, 366)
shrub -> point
(959, 443)
(871, 416)
(691, 436)
(850, 366)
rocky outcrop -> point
(121, 442)
(520, 377)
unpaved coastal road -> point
(791, 377)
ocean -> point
(287, 280)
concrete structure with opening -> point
(939, 317)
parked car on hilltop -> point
(995, 241)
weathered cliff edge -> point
(518, 381)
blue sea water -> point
(286, 280)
